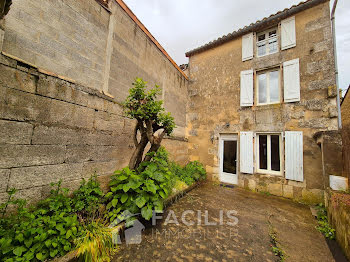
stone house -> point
(259, 96)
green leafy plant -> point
(323, 225)
(275, 245)
(48, 229)
(37, 234)
(141, 191)
(96, 242)
(88, 198)
(192, 172)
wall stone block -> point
(15, 132)
(31, 155)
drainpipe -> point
(336, 61)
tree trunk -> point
(147, 135)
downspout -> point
(336, 61)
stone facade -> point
(214, 102)
(58, 118)
(345, 112)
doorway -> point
(228, 159)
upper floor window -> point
(267, 42)
(268, 84)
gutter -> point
(336, 62)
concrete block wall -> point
(67, 37)
(134, 54)
(52, 130)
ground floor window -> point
(269, 153)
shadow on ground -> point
(245, 238)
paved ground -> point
(249, 240)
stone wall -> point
(67, 37)
(345, 113)
(338, 208)
(53, 129)
(214, 105)
(104, 49)
(64, 68)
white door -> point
(228, 159)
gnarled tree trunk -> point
(4, 7)
(147, 131)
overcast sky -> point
(182, 25)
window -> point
(268, 87)
(269, 154)
(267, 42)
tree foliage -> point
(153, 123)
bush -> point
(48, 229)
(37, 234)
(88, 198)
(192, 172)
(143, 190)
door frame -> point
(222, 174)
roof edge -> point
(257, 25)
(151, 37)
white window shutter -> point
(247, 88)
(294, 155)
(246, 152)
(291, 80)
(288, 36)
(247, 47)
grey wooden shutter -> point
(294, 155)
(247, 88)
(246, 152)
(291, 80)
(247, 47)
(288, 35)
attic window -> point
(267, 42)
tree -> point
(152, 121)
(4, 7)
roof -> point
(347, 91)
(150, 36)
(258, 25)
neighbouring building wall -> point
(338, 208)
(345, 113)
(214, 103)
(55, 121)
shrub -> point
(48, 229)
(37, 234)
(192, 172)
(88, 198)
(143, 190)
(96, 242)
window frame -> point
(266, 40)
(268, 171)
(267, 72)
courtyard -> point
(248, 239)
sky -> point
(182, 25)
